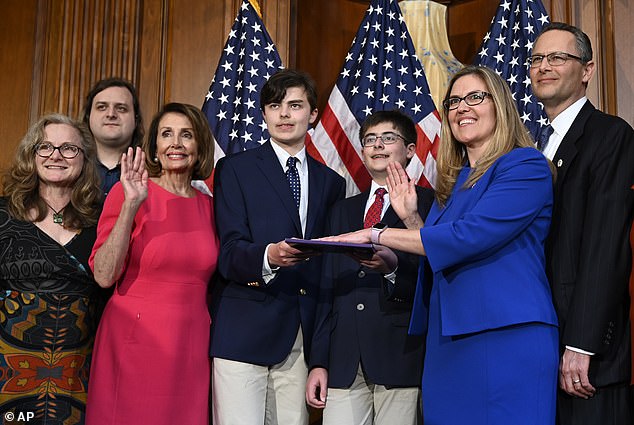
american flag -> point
(381, 72)
(508, 45)
(232, 104)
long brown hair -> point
(21, 182)
(509, 133)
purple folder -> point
(365, 250)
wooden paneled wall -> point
(54, 50)
(76, 44)
(325, 36)
(17, 45)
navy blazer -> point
(588, 260)
(364, 318)
(253, 322)
(486, 248)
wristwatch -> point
(376, 231)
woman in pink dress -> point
(157, 242)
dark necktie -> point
(293, 179)
(373, 215)
(542, 141)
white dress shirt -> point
(561, 124)
(268, 273)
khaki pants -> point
(248, 394)
(365, 403)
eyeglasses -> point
(553, 59)
(387, 138)
(67, 150)
(472, 99)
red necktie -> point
(373, 215)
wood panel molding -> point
(605, 52)
(18, 33)
(79, 42)
(276, 16)
(153, 46)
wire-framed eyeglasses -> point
(387, 138)
(472, 99)
(553, 59)
(67, 150)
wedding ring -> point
(577, 381)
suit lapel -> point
(270, 166)
(357, 216)
(393, 220)
(568, 148)
(390, 218)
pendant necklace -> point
(58, 216)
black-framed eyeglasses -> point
(68, 151)
(472, 99)
(553, 59)
(387, 138)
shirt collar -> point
(375, 186)
(283, 156)
(562, 123)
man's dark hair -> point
(275, 88)
(401, 121)
(584, 47)
(101, 85)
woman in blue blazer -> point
(491, 327)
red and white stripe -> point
(335, 142)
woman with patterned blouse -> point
(48, 218)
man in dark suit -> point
(263, 307)
(365, 368)
(588, 257)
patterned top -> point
(48, 318)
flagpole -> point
(256, 6)
(232, 102)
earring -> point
(155, 159)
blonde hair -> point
(509, 133)
(21, 182)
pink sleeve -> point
(107, 219)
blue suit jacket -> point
(253, 322)
(486, 248)
(364, 318)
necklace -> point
(58, 216)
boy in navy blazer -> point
(365, 368)
(263, 306)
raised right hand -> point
(403, 197)
(134, 176)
